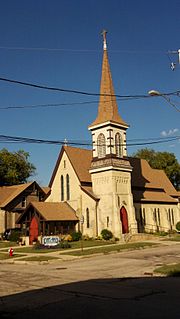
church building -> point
(106, 188)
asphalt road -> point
(104, 286)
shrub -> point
(106, 234)
(178, 226)
(14, 235)
(67, 238)
(76, 235)
(64, 244)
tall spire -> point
(107, 109)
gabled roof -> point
(152, 196)
(147, 183)
(51, 211)
(107, 109)
(9, 193)
(143, 175)
(80, 159)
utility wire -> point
(17, 139)
(75, 50)
(51, 88)
(59, 104)
(66, 90)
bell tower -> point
(110, 168)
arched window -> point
(101, 145)
(87, 217)
(118, 145)
(62, 188)
(67, 187)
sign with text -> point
(50, 240)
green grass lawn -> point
(169, 270)
(109, 249)
(175, 237)
(4, 256)
(74, 245)
(4, 244)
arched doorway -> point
(33, 230)
(124, 220)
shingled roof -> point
(80, 159)
(147, 183)
(60, 211)
(107, 109)
(9, 193)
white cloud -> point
(170, 132)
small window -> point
(107, 220)
(172, 216)
(101, 146)
(144, 216)
(67, 187)
(23, 202)
(87, 217)
(118, 145)
(64, 164)
(159, 217)
(62, 188)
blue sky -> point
(58, 44)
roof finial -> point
(103, 33)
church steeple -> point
(107, 109)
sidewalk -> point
(60, 253)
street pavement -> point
(102, 286)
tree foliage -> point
(162, 160)
(15, 167)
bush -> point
(76, 235)
(106, 234)
(178, 226)
(14, 235)
(64, 244)
(67, 238)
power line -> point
(58, 104)
(10, 48)
(51, 88)
(17, 139)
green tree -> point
(15, 167)
(162, 160)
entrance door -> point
(124, 220)
(33, 230)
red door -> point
(124, 220)
(33, 230)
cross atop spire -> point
(103, 33)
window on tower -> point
(118, 145)
(101, 145)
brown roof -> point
(88, 190)
(143, 175)
(147, 183)
(152, 196)
(52, 211)
(9, 193)
(80, 159)
(107, 109)
(164, 181)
